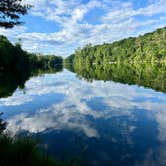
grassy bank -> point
(25, 151)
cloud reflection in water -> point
(100, 110)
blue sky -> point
(60, 26)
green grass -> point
(23, 152)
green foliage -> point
(68, 62)
(69, 59)
(151, 75)
(23, 152)
(10, 12)
(17, 66)
(138, 61)
(14, 58)
(11, 80)
(11, 56)
(46, 62)
(149, 47)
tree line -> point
(13, 57)
(17, 66)
(148, 47)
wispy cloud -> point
(115, 20)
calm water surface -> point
(96, 123)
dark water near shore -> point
(91, 118)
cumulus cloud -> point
(116, 19)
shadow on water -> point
(150, 75)
(11, 80)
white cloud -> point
(118, 20)
(127, 11)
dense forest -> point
(128, 61)
(149, 47)
(17, 66)
(13, 57)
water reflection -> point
(151, 75)
(3, 124)
(11, 80)
(98, 123)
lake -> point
(94, 119)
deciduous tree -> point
(10, 12)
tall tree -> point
(10, 12)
